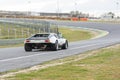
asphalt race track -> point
(17, 58)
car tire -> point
(27, 47)
(55, 46)
(65, 46)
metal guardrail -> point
(11, 41)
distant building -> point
(11, 13)
(34, 14)
(62, 15)
(109, 15)
(19, 14)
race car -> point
(50, 41)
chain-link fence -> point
(13, 31)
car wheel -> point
(65, 46)
(27, 47)
(55, 46)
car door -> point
(60, 39)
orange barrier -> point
(53, 18)
(79, 19)
(83, 19)
(75, 19)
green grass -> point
(75, 35)
(103, 64)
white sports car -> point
(50, 41)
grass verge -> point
(14, 45)
(102, 64)
(76, 34)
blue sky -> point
(88, 6)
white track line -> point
(10, 59)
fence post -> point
(22, 32)
(28, 31)
(39, 30)
(0, 33)
(15, 33)
(8, 33)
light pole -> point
(117, 6)
(75, 5)
(76, 11)
(57, 8)
(29, 5)
(58, 15)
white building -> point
(109, 15)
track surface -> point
(17, 58)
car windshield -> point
(41, 35)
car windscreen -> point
(41, 35)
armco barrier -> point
(11, 41)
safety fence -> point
(14, 31)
